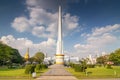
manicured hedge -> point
(78, 67)
(91, 66)
(38, 67)
(109, 66)
(29, 69)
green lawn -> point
(16, 74)
(98, 72)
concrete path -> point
(57, 72)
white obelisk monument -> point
(59, 50)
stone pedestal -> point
(59, 59)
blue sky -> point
(89, 26)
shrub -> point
(29, 69)
(109, 66)
(91, 66)
(99, 65)
(72, 65)
(44, 66)
(38, 67)
(66, 64)
(77, 68)
(83, 68)
(80, 68)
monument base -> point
(59, 59)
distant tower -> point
(59, 51)
(27, 55)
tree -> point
(39, 57)
(102, 59)
(115, 57)
(9, 55)
(83, 63)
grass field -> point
(16, 74)
(98, 72)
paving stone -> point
(57, 72)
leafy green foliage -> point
(91, 65)
(83, 64)
(80, 67)
(38, 67)
(115, 57)
(9, 55)
(102, 60)
(29, 69)
(72, 65)
(109, 66)
(38, 57)
(44, 66)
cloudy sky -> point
(89, 26)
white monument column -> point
(59, 51)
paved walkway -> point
(57, 72)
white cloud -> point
(82, 50)
(38, 31)
(31, 2)
(42, 16)
(23, 43)
(100, 39)
(106, 29)
(39, 16)
(83, 47)
(21, 24)
(70, 21)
